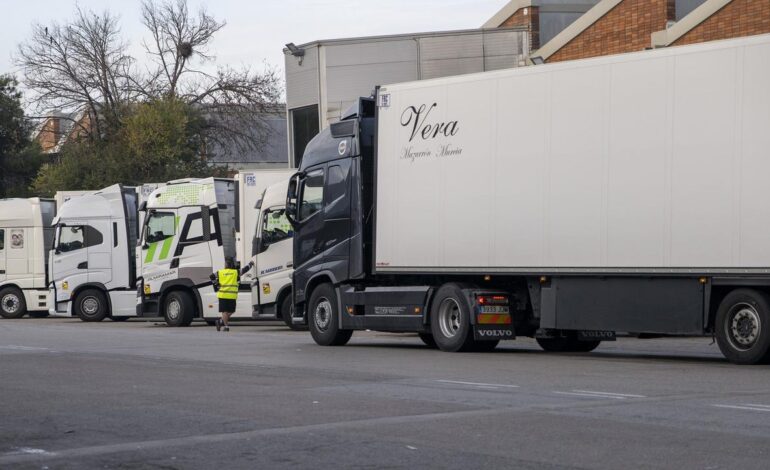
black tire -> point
(559, 344)
(12, 303)
(742, 326)
(585, 346)
(450, 320)
(91, 305)
(119, 319)
(324, 319)
(485, 346)
(38, 314)
(285, 311)
(427, 338)
(178, 308)
(568, 342)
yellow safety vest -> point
(228, 284)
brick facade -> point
(625, 28)
(49, 134)
(528, 17)
(736, 19)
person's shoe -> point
(227, 329)
(219, 324)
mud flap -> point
(493, 332)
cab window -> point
(71, 238)
(75, 237)
(275, 228)
(312, 194)
(160, 226)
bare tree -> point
(232, 102)
(85, 65)
(82, 65)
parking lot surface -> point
(142, 395)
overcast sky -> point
(257, 30)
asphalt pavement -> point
(142, 395)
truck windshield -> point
(160, 226)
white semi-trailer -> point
(272, 257)
(26, 237)
(565, 202)
(93, 275)
(190, 227)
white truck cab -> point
(188, 231)
(92, 264)
(26, 237)
(272, 256)
(190, 227)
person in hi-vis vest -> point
(226, 282)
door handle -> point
(2, 271)
(83, 265)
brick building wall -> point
(625, 28)
(528, 17)
(736, 19)
(49, 134)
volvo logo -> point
(343, 147)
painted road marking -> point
(23, 348)
(592, 394)
(746, 406)
(477, 384)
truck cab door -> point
(157, 245)
(69, 259)
(274, 258)
(98, 239)
(309, 246)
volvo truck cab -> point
(92, 263)
(26, 237)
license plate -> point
(493, 309)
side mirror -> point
(255, 244)
(291, 199)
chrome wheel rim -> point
(449, 318)
(744, 326)
(89, 305)
(173, 308)
(10, 303)
(322, 316)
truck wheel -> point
(12, 304)
(743, 326)
(178, 309)
(450, 320)
(286, 309)
(584, 346)
(324, 318)
(427, 338)
(91, 305)
(560, 344)
(485, 346)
